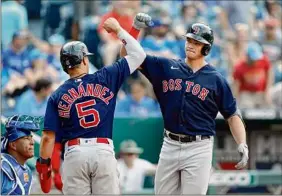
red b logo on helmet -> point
(196, 29)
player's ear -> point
(84, 60)
(13, 145)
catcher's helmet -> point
(72, 54)
(19, 126)
(203, 34)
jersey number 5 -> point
(82, 113)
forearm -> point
(134, 33)
(47, 144)
(237, 129)
(122, 52)
(236, 89)
(151, 171)
(135, 53)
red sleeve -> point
(56, 157)
(237, 71)
(103, 19)
(266, 63)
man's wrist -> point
(121, 33)
(44, 161)
(136, 26)
(242, 146)
(119, 30)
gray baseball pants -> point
(184, 168)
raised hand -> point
(111, 25)
(142, 20)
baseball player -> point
(81, 110)
(191, 93)
(17, 146)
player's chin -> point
(29, 153)
(191, 55)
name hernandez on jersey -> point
(93, 90)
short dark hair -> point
(140, 82)
(42, 83)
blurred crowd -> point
(247, 47)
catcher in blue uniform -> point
(17, 146)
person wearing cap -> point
(81, 111)
(17, 146)
(253, 78)
(52, 48)
(15, 61)
(16, 56)
(133, 169)
(191, 93)
(160, 42)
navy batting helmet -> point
(19, 126)
(72, 54)
(203, 34)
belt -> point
(185, 138)
(78, 141)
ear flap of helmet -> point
(69, 61)
(206, 49)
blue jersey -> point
(189, 101)
(18, 62)
(54, 62)
(16, 179)
(84, 107)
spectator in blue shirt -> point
(136, 104)
(15, 62)
(161, 42)
(38, 67)
(34, 101)
(52, 50)
(14, 19)
(16, 57)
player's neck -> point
(17, 50)
(196, 64)
(39, 97)
(129, 165)
(77, 74)
(20, 159)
